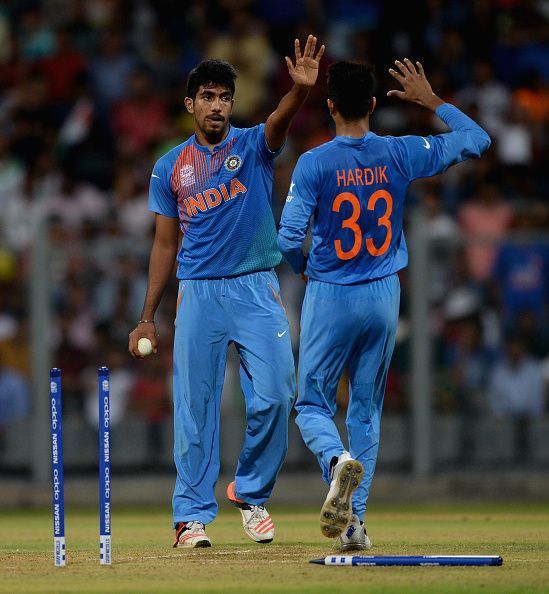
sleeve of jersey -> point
(431, 155)
(162, 200)
(263, 146)
(300, 205)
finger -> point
(320, 53)
(397, 75)
(289, 64)
(420, 68)
(297, 49)
(402, 68)
(307, 50)
(395, 93)
(312, 47)
(410, 66)
(136, 354)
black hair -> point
(351, 87)
(211, 72)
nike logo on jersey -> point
(289, 197)
(213, 197)
(281, 334)
(153, 175)
(427, 145)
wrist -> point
(302, 90)
(145, 321)
(433, 102)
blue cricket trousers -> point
(351, 326)
(211, 314)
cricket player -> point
(354, 188)
(216, 188)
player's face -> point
(211, 108)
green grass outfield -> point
(143, 560)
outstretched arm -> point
(304, 74)
(431, 155)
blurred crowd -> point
(91, 94)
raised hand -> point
(416, 86)
(305, 70)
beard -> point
(215, 130)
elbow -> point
(481, 141)
(284, 245)
(477, 144)
(485, 142)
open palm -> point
(305, 70)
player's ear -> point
(189, 104)
(372, 106)
(331, 106)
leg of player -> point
(200, 350)
(368, 368)
(267, 376)
(325, 347)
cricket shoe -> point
(337, 509)
(191, 535)
(353, 538)
(257, 522)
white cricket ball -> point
(144, 346)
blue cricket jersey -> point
(222, 199)
(354, 190)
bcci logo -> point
(233, 163)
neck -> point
(209, 140)
(352, 128)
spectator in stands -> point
(14, 400)
(62, 69)
(522, 274)
(491, 97)
(111, 69)
(484, 220)
(468, 361)
(138, 119)
(516, 392)
(149, 398)
(443, 235)
(35, 33)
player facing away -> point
(354, 188)
(216, 188)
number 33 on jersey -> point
(352, 192)
(356, 209)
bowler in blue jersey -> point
(215, 190)
(352, 191)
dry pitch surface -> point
(143, 560)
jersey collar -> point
(350, 141)
(217, 147)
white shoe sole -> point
(195, 543)
(337, 509)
